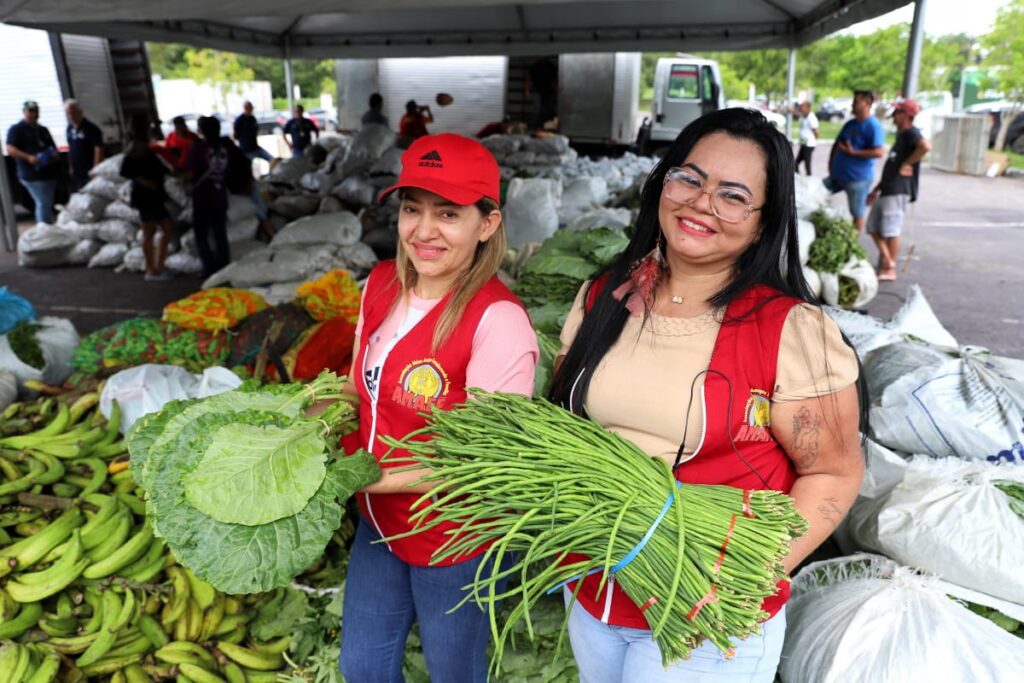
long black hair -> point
(773, 259)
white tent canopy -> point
(409, 28)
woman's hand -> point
(400, 480)
(821, 436)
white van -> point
(685, 88)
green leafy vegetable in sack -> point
(25, 345)
(834, 243)
(602, 245)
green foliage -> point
(764, 69)
(835, 241)
(176, 60)
(1004, 47)
(25, 345)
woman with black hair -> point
(702, 344)
(144, 167)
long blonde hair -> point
(486, 261)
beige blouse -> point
(642, 389)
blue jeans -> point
(384, 595)
(259, 153)
(298, 153)
(616, 654)
(42, 192)
(857, 192)
(257, 199)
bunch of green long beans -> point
(527, 477)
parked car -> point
(834, 110)
(774, 118)
(995, 110)
(269, 122)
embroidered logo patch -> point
(758, 414)
(422, 385)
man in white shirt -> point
(808, 136)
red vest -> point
(412, 380)
(746, 353)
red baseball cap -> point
(457, 168)
(909, 107)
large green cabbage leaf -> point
(236, 558)
(254, 474)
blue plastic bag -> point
(13, 309)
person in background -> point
(701, 343)
(897, 188)
(85, 144)
(414, 123)
(301, 130)
(207, 166)
(180, 141)
(147, 172)
(36, 157)
(434, 322)
(375, 113)
(808, 136)
(247, 130)
(851, 166)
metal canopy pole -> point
(288, 75)
(790, 88)
(913, 68)
(8, 221)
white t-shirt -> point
(808, 125)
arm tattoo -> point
(806, 431)
(831, 511)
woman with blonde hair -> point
(434, 322)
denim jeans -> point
(384, 596)
(257, 199)
(259, 153)
(616, 654)
(857, 192)
(42, 192)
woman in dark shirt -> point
(207, 165)
(147, 172)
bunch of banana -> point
(67, 434)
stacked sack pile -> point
(934, 591)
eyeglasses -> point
(729, 204)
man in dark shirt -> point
(36, 156)
(302, 131)
(247, 129)
(85, 144)
(897, 188)
(375, 113)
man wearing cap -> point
(33, 149)
(897, 188)
(851, 166)
(433, 322)
(85, 144)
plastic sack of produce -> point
(44, 245)
(368, 146)
(40, 350)
(108, 168)
(811, 194)
(83, 251)
(247, 339)
(82, 231)
(914, 318)
(581, 195)
(865, 618)
(334, 295)
(120, 210)
(13, 309)
(116, 230)
(109, 256)
(8, 388)
(213, 309)
(970, 406)
(103, 187)
(86, 208)
(134, 261)
(295, 205)
(961, 520)
(853, 286)
(146, 340)
(330, 204)
(356, 190)
(240, 207)
(148, 388)
(886, 364)
(389, 164)
(342, 228)
(531, 210)
(601, 218)
(289, 263)
(290, 171)
(183, 262)
(813, 281)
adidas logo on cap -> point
(431, 159)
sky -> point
(941, 17)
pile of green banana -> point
(86, 589)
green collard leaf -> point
(279, 617)
(602, 245)
(561, 264)
(562, 240)
(549, 317)
(254, 474)
(236, 558)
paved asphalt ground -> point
(966, 235)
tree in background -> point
(1004, 47)
(766, 70)
(175, 60)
